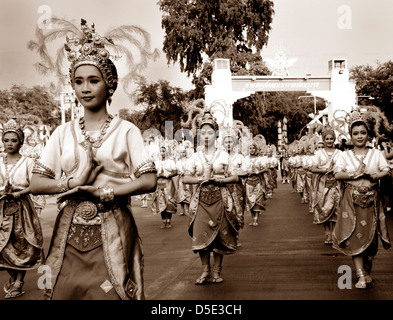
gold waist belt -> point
(210, 194)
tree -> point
(375, 82)
(33, 105)
(161, 102)
(221, 28)
(260, 113)
(135, 117)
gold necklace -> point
(360, 157)
(207, 161)
(96, 143)
(7, 171)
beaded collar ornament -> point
(90, 50)
(7, 169)
(96, 143)
(13, 126)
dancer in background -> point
(300, 172)
(238, 165)
(164, 199)
(254, 185)
(183, 189)
(327, 191)
(214, 224)
(285, 168)
(21, 239)
(361, 219)
(307, 162)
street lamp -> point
(315, 102)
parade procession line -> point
(284, 258)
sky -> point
(310, 31)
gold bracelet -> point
(63, 184)
(106, 194)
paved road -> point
(283, 258)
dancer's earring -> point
(110, 91)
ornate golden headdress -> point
(207, 118)
(328, 130)
(229, 132)
(356, 117)
(13, 126)
(90, 50)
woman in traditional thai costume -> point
(184, 189)
(96, 162)
(360, 217)
(238, 166)
(268, 173)
(273, 163)
(307, 163)
(164, 199)
(292, 168)
(254, 185)
(285, 169)
(300, 172)
(326, 197)
(21, 237)
(214, 224)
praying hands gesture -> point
(83, 183)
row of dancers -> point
(347, 191)
(340, 187)
(257, 169)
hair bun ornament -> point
(90, 49)
(207, 118)
(354, 117)
(328, 129)
(229, 132)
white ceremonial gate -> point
(335, 88)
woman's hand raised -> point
(90, 171)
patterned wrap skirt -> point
(21, 239)
(96, 256)
(164, 198)
(183, 192)
(360, 218)
(325, 198)
(254, 193)
(213, 227)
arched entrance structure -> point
(335, 88)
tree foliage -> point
(261, 112)
(160, 102)
(376, 82)
(35, 105)
(221, 28)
